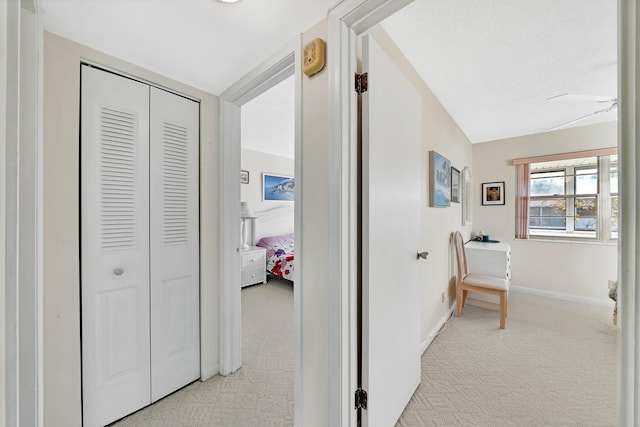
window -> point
(573, 196)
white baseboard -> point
(565, 297)
(427, 342)
(206, 374)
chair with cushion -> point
(472, 282)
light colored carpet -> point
(554, 365)
(261, 392)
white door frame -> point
(347, 20)
(22, 145)
(352, 17)
(278, 67)
(628, 252)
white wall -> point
(62, 377)
(442, 134)
(575, 269)
(314, 274)
(257, 163)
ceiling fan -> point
(611, 104)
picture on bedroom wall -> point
(493, 193)
(277, 187)
(244, 177)
(440, 182)
(455, 185)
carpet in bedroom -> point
(554, 365)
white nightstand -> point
(253, 266)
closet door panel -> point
(175, 283)
(114, 246)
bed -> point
(273, 230)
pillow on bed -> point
(280, 245)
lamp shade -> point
(246, 211)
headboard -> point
(273, 222)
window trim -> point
(566, 156)
(603, 233)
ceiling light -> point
(228, 1)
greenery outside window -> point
(569, 197)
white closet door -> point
(175, 334)
(115, 246)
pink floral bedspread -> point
(280, 255)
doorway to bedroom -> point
(267, 184)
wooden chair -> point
(472, 282)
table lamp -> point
(245, 213)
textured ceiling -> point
(492, 63)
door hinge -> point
(361, 83)
(361, 399)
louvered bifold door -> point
(175, 335)
(114, 221)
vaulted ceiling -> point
(497, 66)
(494, 64)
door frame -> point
(347, 20)
(352, 17)
(21, 196)
(283, 64)
(628, 251)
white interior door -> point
(391, 206)
(175, 284)
(115, 246)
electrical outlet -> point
(443, 297)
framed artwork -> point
(455, 185)
(277, 187)
(440, 180)
(244, 177)
(493, 193)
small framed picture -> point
(455, 185)
(244, 177)
(493, 193)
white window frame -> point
(603, 196)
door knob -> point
(118, 271)
(422, 255)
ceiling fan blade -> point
(571, 97)
(570, 122)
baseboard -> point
(427, 342)
(564, 297)
(206, 374)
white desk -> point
(488, 259)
